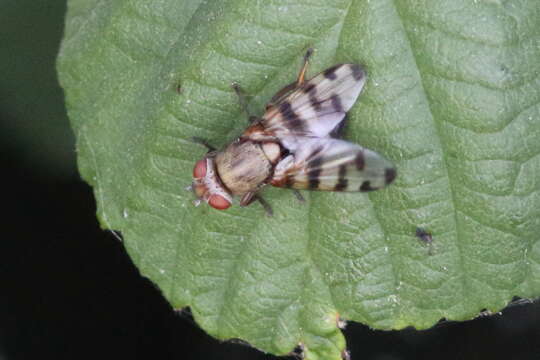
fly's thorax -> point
(244, 165)
(207, 185)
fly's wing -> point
(318, 106)
(333, 165)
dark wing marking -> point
(333, 165)
(318, 106)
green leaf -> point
(452, 99)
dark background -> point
(68, 289)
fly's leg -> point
(243, 102)
(301, 75)
(295, 84)
(299, 196)
(250, 197)
(281, 93)
(265, 205)
(203, 142)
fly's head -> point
(207, 185)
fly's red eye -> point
(219, 202)
(199, 171)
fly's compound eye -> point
(218, 202)
(199, 171)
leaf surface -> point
(453, 99)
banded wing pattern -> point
(294, 144)
(317, 106)
(333, 165)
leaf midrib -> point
(462, 276)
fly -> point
(295, 145)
